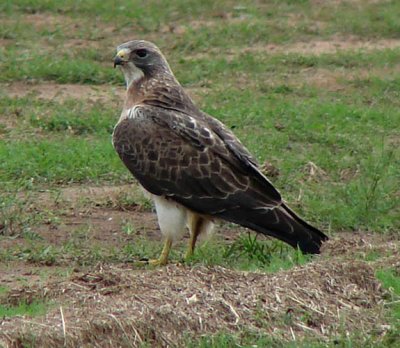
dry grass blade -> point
(157, 307)
(63, 326)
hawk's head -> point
(139, 59)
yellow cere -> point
(122, 53)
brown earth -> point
(95, 213)
(118, 304)
(319, 77)
(312, 47)
(61, 92)
(317, 47)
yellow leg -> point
(163, 259)
(195, 230)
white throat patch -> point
(131, 73)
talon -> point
(157, 262)
(161, 261)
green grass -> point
(294, 18)
(258, 340)
(71, 117)
(248, 252)
(336, 136)
(88, 66)
(390, 279)
(273, 100)
(34, 308)
(226, 340)
(65, 160)
(61, 68)
(350, 133)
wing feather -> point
(196, 162)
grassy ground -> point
(312, 88)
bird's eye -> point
(142, 53)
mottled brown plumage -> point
(181, 155)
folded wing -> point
(195, 161)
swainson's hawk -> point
(191, 164)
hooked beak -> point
(117, 61)
(121, 57)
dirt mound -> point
(124, 307)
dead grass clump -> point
(124, 307)
(314, 173)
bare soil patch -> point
(45, 20)
(104, 217)
(79, 196)
(5, 42)
(339, 79)
(338, 2)
(317, 47)
(312, 47)
(75, 32)
(94, 213)
(61, 92)
(216, 20)
(40, 20)
(70, 25)
(100, 226)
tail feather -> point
(282, 223)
